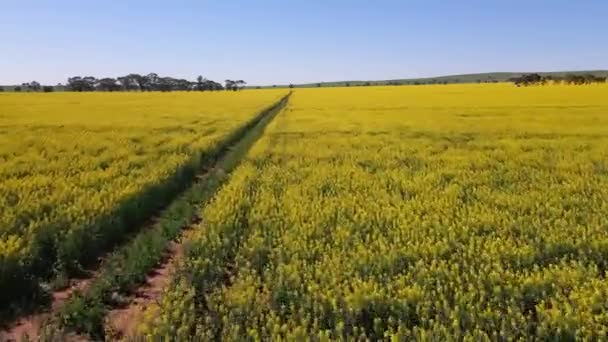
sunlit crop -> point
(78, 171)
(432, 212)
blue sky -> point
(283, 41)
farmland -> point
(471, 212)
(80, 171)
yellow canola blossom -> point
(79, 170)
(466, 212)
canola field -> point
(80, 170)
(464, 212)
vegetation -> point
(153, 82)
(131, 82)
(127, 268)
(235, 85)
(573, 79)
(492, 77)
(80, 171)
(473, 212)
(150, 82)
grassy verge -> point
(127, 268)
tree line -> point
(135, 82)
(31, 86)
(573, 79)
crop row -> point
(126, 269)
(432, 213)
(81, 171)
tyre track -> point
(33, 325)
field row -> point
(473, 211)
(80, 171)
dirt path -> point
(31, 326)
(122, 322)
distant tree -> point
(527, 79)
(89, 82)
(214, 86)
(107, 84)
(151, 82)
(1, 89)
(590, 78)
(553, 79)
(130, 82)
(258, 87)
(234, 85)
(48, 89)
(17, 89)
(347, 84)
(367, 84)
(182, 84)
(274, 85)
(81, 84)
(318, 85)
(574, 79)
(32, 86)
(35, 86)
(230, 85)
(124, 82)
(138, 80)
(203, 84)
(200, 83)
(164, 84)
(240, 84)
(173, 84)
(291, 85)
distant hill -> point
(451, 79)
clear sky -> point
(283, 41)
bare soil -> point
(122, 322)
(30, 327)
